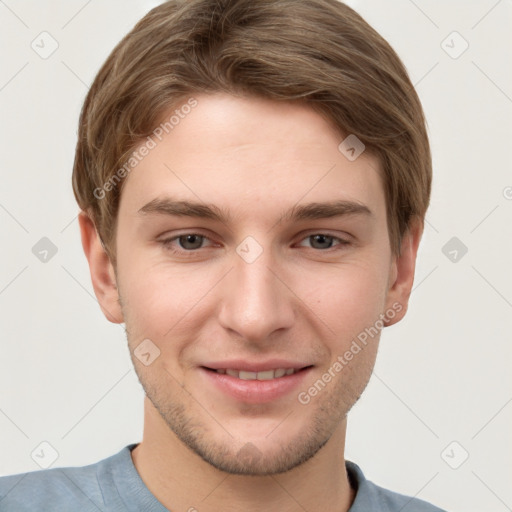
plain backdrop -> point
(436, 418)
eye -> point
(324, 241)
(187, 242)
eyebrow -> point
(309, 211)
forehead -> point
(251, 156)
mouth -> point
(252, 384)
(261, 375)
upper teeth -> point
(265, 375)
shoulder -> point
(58, 489)
(375, 498)
(51, 489)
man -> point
(253, 179)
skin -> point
(301, 298)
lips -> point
(255, 383)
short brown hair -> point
(318, 52)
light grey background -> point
(442, 374)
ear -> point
(101, 269)
(402, 273)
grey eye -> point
(195, 241)
(321, 241)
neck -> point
(181, 480)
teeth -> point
(247, 375)
(264, 375)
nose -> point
(255, 299)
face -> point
(248, 247)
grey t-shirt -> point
(113, 485)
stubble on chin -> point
(229, 451)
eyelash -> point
(167, 243)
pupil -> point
(322, 239)
(191, 239)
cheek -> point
(160, 300)
(348, 298)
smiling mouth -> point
(262, 375)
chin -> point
(239, 452)
(252, 461)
